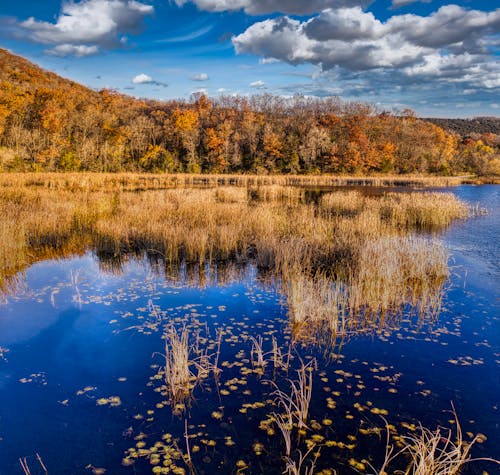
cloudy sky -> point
(440, 58)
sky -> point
(437, 57)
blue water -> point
(78, 333)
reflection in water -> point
(88, 337)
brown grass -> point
(415, 210)
(349, 255)
(141, 182)
(187, 364)
(439, 452)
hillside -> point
(29, 77)
(50, 123)
(465, 127)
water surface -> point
(82, 346)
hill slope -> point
(51, 123)
(26, 76)
(464, 127)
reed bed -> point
(389, 276)
(415, 210)
(347, 256)
(141, 182)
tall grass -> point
(296, 403)
(178, 374)
(393, 272)
(415, 210)
(387, 277)
(349, 255)
(186, 364)
(433, 452)
(140, 182)
(439, 452)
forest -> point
(48, 123)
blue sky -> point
(437, 57)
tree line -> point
(49, 123)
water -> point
(82, 347)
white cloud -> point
(257, 7)
(142, 79)
(450, 43)
(73, 50)
(258, 84)
(449, 25)
(145, 79)
(88, 24)
(200, 77)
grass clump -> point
(434, 452)
(186, 365)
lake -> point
(82, 355)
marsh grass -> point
(439, 452)
(141, 182)
(186, 364)
(391, 273)
(296, 403)
(347, 259)
(302, 465)
(178, 374)
(23, 462)
(442, 451)
(413, 210)
(389, 277)
(257, 354)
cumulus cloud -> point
(85, 27)
(72, 50)
(200, 77)
(145, 79)
(258, 7)
(448, 41)
(142, 79)
(258, 84)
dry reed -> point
(141, 182)
(186, 364)
(296, 404)
(439, 452)
(348, 256)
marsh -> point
(383, 309)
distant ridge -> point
(464, 127)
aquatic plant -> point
(296, 404)
(178, 375)
(432, 452)
(298, 466)
(439, 452)
(23, 462)
(194, 225)
(285, 425)
(186, 364)
(258, 356)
